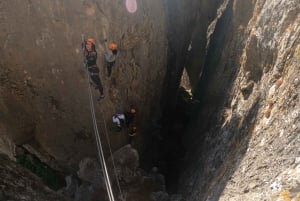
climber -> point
(90, 60)
(132, 133)
(119, 119)
(110, 56)
(130, 116)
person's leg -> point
(97, 81)
(109, 68)
(129, 120)
(119, 128)
(130, 140)
(122, 122)
(118, 123)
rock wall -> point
(187, 25)
(134, 183)
(188, 22)
(19, 184)
(243, 141)
(43, 86)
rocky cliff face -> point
(43, 85)
(243, 142)
(236, 138)
(19, 184)
(129, 181)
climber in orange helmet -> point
(110, 56)
(130, 116)
(90, 60)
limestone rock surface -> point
(248, 122)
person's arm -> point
(83, 46)
(106, 44)
(122, 116)
(85, 53)
(106, 53)
(83, 43)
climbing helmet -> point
(112, 46)
(91, 40)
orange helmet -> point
(132, 110)
(112, 46)
(91, 40)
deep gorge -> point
(230, 133)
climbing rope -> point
(98, 140)
(99, 145)
(112, 157)
(111, 154)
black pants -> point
(94, 73)
(97, 81)
(109, 66)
